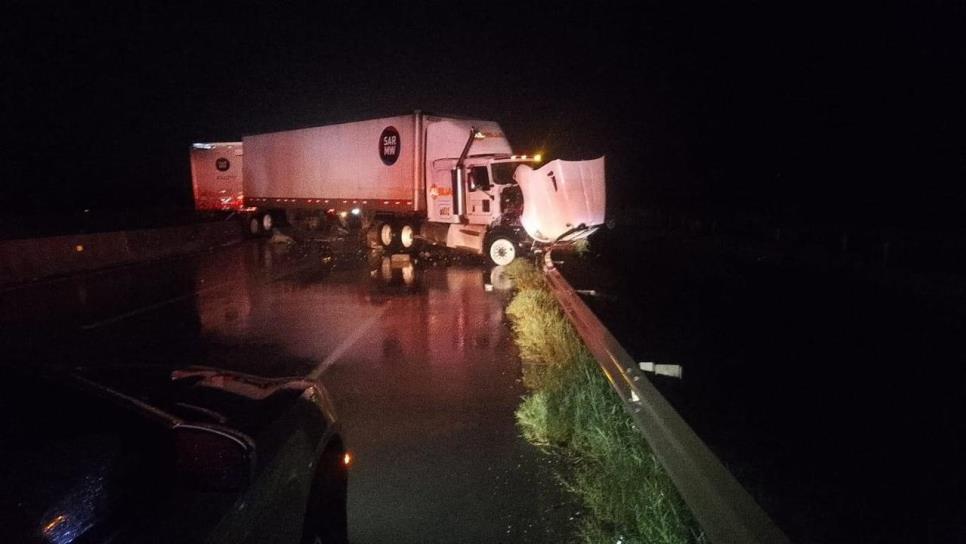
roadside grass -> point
(572, 412)
(525, 275)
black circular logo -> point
(222, 164)
(389, 146)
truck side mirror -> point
(212, 459)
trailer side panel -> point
(370, 163)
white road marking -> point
(347, 343)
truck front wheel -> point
(501, 249)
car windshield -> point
(503, 172)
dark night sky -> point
(811, 112)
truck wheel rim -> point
(385, 234)
(502, 252)
(406, 236)
(253, 225)
(267, 222)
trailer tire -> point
(388, 234)
(501, 249)
(254, 226)
(268, 222)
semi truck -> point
(216, 176)
(419, 178)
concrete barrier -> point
(35, 258)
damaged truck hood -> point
(560, 196)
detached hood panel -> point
(560, 196)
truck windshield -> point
(503, 172)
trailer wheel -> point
(267, 222)
(407, 236)
(254, 226)
(501, 249)
(387, 234)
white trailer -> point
(411, 178)
(216, 176)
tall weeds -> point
(571, 412)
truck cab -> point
(474, 203)
(492, 193)
(484, 193)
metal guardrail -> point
(723, 508)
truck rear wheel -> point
(407, 236)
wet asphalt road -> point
(417, 358)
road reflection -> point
(398, 272)
(292, 318)
(263, 308)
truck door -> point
(480, 197)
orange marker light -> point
(54, 524)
